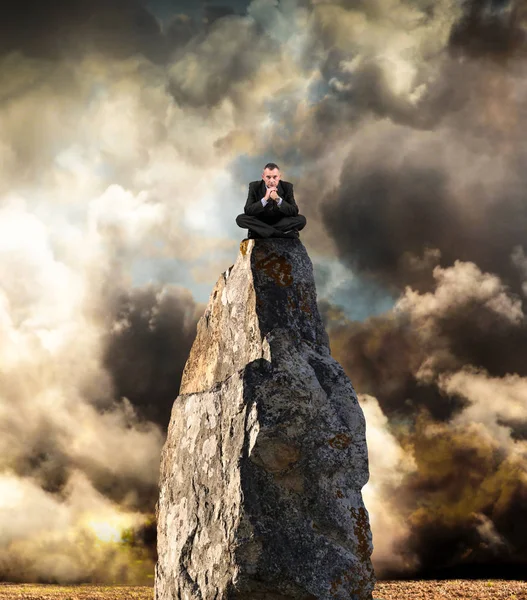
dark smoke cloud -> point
(463, 326)
(62, 29)
(378, 214)
(147, 347)
(474, 493)
(449, 399)
(490, 29)
(66, 29)
(458, 188)
(389, 207)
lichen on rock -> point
(265, 457)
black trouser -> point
(268, 227)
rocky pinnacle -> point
(265, 457)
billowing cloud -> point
(80, 442)
(74, 537)
(434, 389)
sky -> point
(129, 132)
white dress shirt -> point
(264, 201)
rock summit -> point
(265, 457)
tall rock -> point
(265, 457)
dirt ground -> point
(450, 589)
(456, 589)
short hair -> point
(271, 166)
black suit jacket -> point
(271, 211)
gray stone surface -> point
(265, 457)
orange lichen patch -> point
(275, 267)
(361, 527)
(243, 247)
(291, 302)
(340, 441)
(339, 494)
(305, 307)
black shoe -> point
(253, 235)
(286, 234)
(293, 233)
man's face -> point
(271, 177)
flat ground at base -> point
(458, 589)
(449, 589)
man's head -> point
(271, 175)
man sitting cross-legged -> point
(271, 210)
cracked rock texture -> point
(265, 457)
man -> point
(271, 210)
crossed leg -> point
(266, 230)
